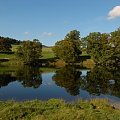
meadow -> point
(46, 53)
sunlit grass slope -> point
(47, 53)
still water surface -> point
(68, 83)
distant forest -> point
(10, 40)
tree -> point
(6, 42)
(69, 48)
(98, 47)
(104, 48)
(30, 51)
(10, 40)
(84, 43)
(64, 50)
(115, 47)
(5, 46)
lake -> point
(68, 83)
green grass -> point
(47, 53)
(7, 56)
(7, 69)
(55, 109)
(15, 47)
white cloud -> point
(114, 13)
(26, 33)
(47, 34)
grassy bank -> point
(54, 109)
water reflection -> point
(102, 80)
(5, 79)
(99, 81)
(69, 78)
(28, 76)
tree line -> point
(104, 48)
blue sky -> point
(50, 20)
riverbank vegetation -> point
(55, 109)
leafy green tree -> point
(5, 46)
(64, 50)
(98, 47)
(69, 48)
(115, 47)
(6, 42)
(10, 40)
(30, 51)
(104, 48)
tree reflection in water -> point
(29, 76)
(6, 78)
(69, 78)
(100, 80)
(103, 80)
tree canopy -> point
(104, 48)
(115, 46)
(6, 42)
(30, 51)
(69, 48)
(5, 46)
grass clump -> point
(55, 109)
